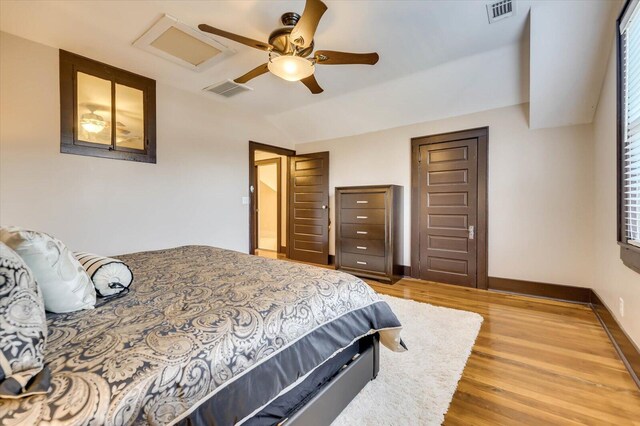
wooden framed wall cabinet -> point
(106, 111)
(369, 231)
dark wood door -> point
(448, 197)
(309, 208)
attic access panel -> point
(179, 43)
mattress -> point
(202, 332)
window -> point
(629, 134)
(105, 111)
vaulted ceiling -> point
(437, 58)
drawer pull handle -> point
(362, 202)
(362, 232)
(362, 217)
(361, 263)
(361, 247)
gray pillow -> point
(23, 329)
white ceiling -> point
(409, 36)
(422, 44)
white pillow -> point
(65, 285)
(109, 276)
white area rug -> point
(416, 387)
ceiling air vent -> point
(227, 88)
(500, 10)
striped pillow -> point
(109, 276)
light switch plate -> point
(245, 201)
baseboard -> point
(627, 350)
(551, 291)
(282, 249)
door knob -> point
(472, 232)
(324, 207)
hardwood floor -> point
(535, 361)
(269, 253)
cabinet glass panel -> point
(129, 117)
(94, 109)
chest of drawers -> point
(369, 231)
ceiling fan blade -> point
(302, 34)
(312, 84)
(256, 72)
(235, 37)
(329, 57)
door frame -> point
(277, 161)
(482, 258)
(253, 202)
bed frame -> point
(329, 401)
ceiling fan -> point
(289, 48)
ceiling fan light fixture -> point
(291, 47)
(291, 68)
(92, 123)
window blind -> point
(630, 34)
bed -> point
(212, 336)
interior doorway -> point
(269, 195)
(288, 216)
(268, 201)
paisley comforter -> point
(201, 328)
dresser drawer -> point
(370, 247)
(365, 216)
(364, 232)
(363, 262)
(367, 230)
(373, 200)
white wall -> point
(613, 280)
(191, 196)
(569, 45)
(540, 189)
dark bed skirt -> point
(329, 401)
(321, 397)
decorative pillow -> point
(109, 276)
(65, 285)
(23, 329)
